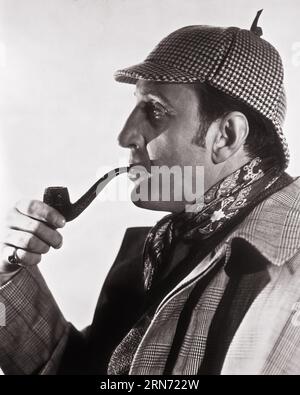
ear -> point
(230, 137)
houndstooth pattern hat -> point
(235, 61)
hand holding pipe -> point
(58, 197)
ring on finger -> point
(14, 259)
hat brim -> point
(150, 71)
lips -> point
(140, 159)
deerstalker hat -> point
(235, 61)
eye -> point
(156, 111)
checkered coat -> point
(36, 339)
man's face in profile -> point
(160, 131)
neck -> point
(222, 170)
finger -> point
(41, 211)
(19, 221)
(26, 258)
(26, 241)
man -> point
(212, 290)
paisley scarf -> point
(222, 202)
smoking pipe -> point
(58, 197)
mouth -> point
(140, 161)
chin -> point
(167, 206)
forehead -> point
(171, 93)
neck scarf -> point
(222, 202)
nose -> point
(132, 134)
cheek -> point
(161, 147)
(174, 145)
(171, 148)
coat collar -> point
(273, 227)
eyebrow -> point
(159, 97)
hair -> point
(261, 141)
